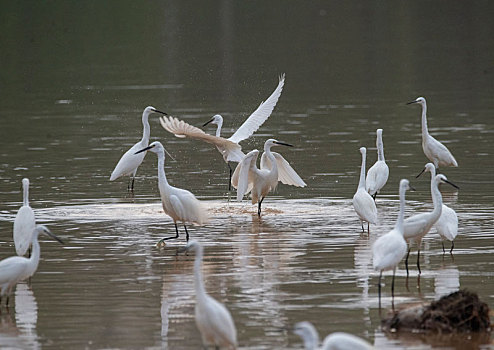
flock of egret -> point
(213, 320)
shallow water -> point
(77, 77)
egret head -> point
(25, 183)
(216, 119)
(155, 147)
(149, 109)
(363, 150)
(440, 178)
(272, 142)
(43, 229)
(405, 184)
(308, 333)
(419, 100)
(379, 132)
(428, 167)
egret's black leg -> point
(418, 260)
(368, 228)
(452, 246)
(393, 284)
(167, 238)
(442, 242)
(259, 207)
(230, 178)
(132, 185)
(379, 288)
(406, 260)
(374, 196)
(186, 233)
(363, 229)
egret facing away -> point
(248, 178)
(390, 248)
(447, 224)
(377, 176)
(334, 341)
(179, 204)
(362, 201)
(437, 153)
(417, 226)
(130, 161)
(17, 268)
(24, 222)
(229, 148)
(213, 319)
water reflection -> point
(26, 314)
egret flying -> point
(389, 249)
(17, 268)
(437, 153)
(130, 161)
(334, 341)
(179, 204)
(417, 226)
(447, 224)
(213, 319)
(248, 178)
(229, 148)
(24, 223)
(362, 201)
(377, 176)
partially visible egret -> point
(389, 249)
(17, 268)
(362, 201)
(248, 178)
(437, 153)
(377, 176)
(229, 148)
(447, 224)
(179, 204)
(130, 161)
(213, 319)
(334, 341)
(417, 226)
(24, 222)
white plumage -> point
(248, 178)
(213, 319)
(437, 153)
(377, 176)
(24, 223)
(130, 161)
(363, 203)
(181, 205)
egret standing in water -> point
(447, 224)
(390, 248)
(377, 176)
(437, 153)
(362, 201)
(130, 161)
(229, 148)
(18, 268)
(417, 226)
(24, 223)
(179, 204)
(248, 178)
(213, 319)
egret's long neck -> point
(35, 254)
(274, 165)
(401, 215)
(162, 181)
(218, 129)
(361, 183)
(146, 132)
(25, 195)
(437, 198)
(380, 147)
(425, 131)
(198, 281)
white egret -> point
(437, 153)
(417, 226)
(334, 341)
(179, 204)
(389, 249)
(377, 176)
(17, 268)
(213, 319)
(362, 201)
(248, 178)
(229, 148)
(447, 224)
(130, 161)
(24, 223)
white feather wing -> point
(242, 178)
(286, 174)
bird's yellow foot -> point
(161, 243)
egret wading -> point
(214, 321)
(179, 204)
(447, 224)
(24, 223)
(17, 268)
(417, 226)
(437, 153)
(377, 176)
(389, 249)
(229, 148)
(130, 161)
(363, 203)
(248, 178)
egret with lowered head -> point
(363, 203)
(24, 223)
(377, 176)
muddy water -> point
(77, 78)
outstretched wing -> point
(242, 178)
(286, 174)
(260, 115)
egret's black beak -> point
(420, 173)
(144, 149)
(164, 113)
(206, 123)
(452, 184)
(411, 188)
(409, 103)
(53, 236)
(283, 143)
